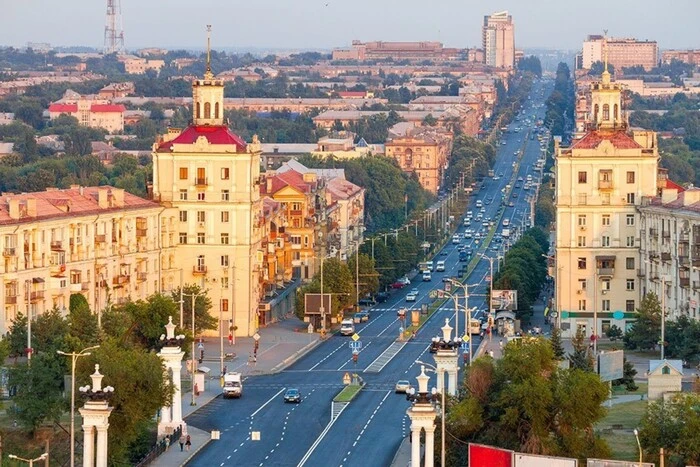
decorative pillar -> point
(422, 415)
(171, 353)
(95, 415)
(447, 360)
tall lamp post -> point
(442, 414)
(74, 358)
(639, 445)
(42, 457)
(29, 321)
(194, 360)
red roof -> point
(619, 139)
(673, 185)
(63, 108)
(107, 108)
(289, 178)
(213, 134)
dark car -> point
(292, 395)
(382, 297)
(367, 301)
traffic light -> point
(255, 347)
(201, 356)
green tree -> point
(614, 332)
(202, 319)
(628, 374)
(82, 322)
(369, 278)
(673, 425)
(582, 357)
(644, 333)
(557, 346)
(77, 142)
(17, 337)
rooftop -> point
(214, 134)
(619, 139)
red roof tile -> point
(63, 108)
(289, 178)
(619, 139)
(213, 134)
(107, 108)
(673, 185)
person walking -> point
(188, 442)
(182, 442)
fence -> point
(160, 447)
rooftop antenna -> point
(605, 49)
(208, 74)
(114, 30)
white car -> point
(403, 386)
(411, 297)
(347, 327)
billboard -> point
(504, 300)
(312, 303)
(531, 460)
(609, 463)
(488, 456)
(610, 365)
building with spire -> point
(211, 177)
(600, 181)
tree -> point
(557, 346)
(82, 322)
(614, 332)
(673, 425)
(581, 358)
(202, 319)
(644, 333)
(77, 142)
(628, 374)
(598, 67)
(369, 278)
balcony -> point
(199, 269)
(56, 245)
(9, 251)
(141, 232)
(684, 261)
(120, 280)
(36, 296)
(57, 269)
(641, 273)
(10, 299)
(605, 185)
(101, 283)
(200, 182)
(100, 238)
(684, 238)
(298, 212)
(84, 286)
(606, 272)
(141, 276)
(696, 285)
(684, 282)
(665, 257)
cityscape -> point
(390, 248)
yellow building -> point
(209, 177)
(600, 181)
(92, 113)
(100, 242)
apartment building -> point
(101, 242)
(600, 181)
(622, 53)
(92, 113)
(498, 39)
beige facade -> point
(101, 242)
(665, 378)
(498, 40)
(600, 181)
(139, 66)
(92, 113)
(622, 53)
(209, 178)
(691, 57)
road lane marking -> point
(326, 357)
(265, 404)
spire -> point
(606, 73)
(207, 73)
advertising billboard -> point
(531, 460)
(610, 463)
(488, 456)
(504, 300)
(312, 303)
(610, 365)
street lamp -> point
(74, 358)
(639, 445)
(194, 360)
(42, 457)
(442, 412)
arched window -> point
(615, 113)
(216, 110)
(408, 158)
(199, 115)
(665, 371)
(207, 110)
(595, 112)
(606, 112)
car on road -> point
(511, 204)
(514, 195)
(402, 386)
(427, 276)
(401, 283)
(347, 327)
(455, 241)
(411, 297)
(381, 297)
(292, 395)
(414, 290)
(367, 301)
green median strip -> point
(348, 393)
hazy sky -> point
(325, 24)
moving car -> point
(427, 276)
(233, 385)
(401, 283)
(347, 327)
(292, 395)
(455, 240)
(411, 297)
(402, 386)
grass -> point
(620, 390)
(622, 442)
(348, 393)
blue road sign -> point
(355, 345)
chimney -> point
(31, 207)
(102, 197)
(668, 195)
(14, 208)
(691, 197)
(268, 185)
(118, 196)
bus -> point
(474, 326)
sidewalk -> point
(280, 345)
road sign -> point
(465, 346)
(433, 294)
(346, 378)
(356, 337)
(355, 345)
(466, 338)
(200, 346)
(256, 336)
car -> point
(514, 195)
(364, 315)
(414, 290)
(367, 301)
(411, 297)
(401, 283)
(347, 327)
(520, 179)
(485, 224)
(495, 177)
(292, 395)
(402, 386)
(511, 204)
(427, 277)
(357, 318)
(382, 297)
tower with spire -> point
(208, 178)
(606, 100)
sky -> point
(324, 24)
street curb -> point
(294, 357)
(195, 451)
(481, 349)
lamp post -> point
(639, 445)
(74, 358)
(442, 413)
(194, 360)
(467, 311)
(42, 457)
(29, 322)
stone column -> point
(102, 445)
(422, 415)
(452, 381)
(440, 378)
(415, 446)
(430, 446)
(88, 445)
(171, 353)
(447, 361)
(95, 415)
(177, 395)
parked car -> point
(292, 395)
(367, 301)
(401, 283)
(381, 297)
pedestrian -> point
(500, 344)
(167, 442)
(188, 442)
(182, 442)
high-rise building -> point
(600, 180)
(622, 53)
(499, 40)
(211, 177)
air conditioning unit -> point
(582, 228)
(201, 224)
(579, 292)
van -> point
(427, 276)
(479, 203)
(455, 241)
(347, 328)
(233, 385)
(429, 266)
(440, 266)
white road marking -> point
(269, 400)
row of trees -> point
(278, 127)
(128, 340)
(560, 104)
(471, 157)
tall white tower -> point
(114, 29)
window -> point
(200, 238)
(630, 241)
(201, 216)
(207, 110)
(225, 173)
(582, 305)
(224, 239)
(629, 219)
(306, 241)
(224, 216)
(183, 238)
(201, 196)
(605, 176)
(605, 326)
(582, 263)
(224, 282)
(582, 198)
(665, 370)
(630, 198)
(183, 216)
(224, 195)
(224, 261)
(630, 284)
(75, 277)
(296, 206)
(183, 173)
(606, 219)
(295, 239)
(606, 112)
(224, 304)
(583, 177)
(629, 263)
(605, 198)
(582, 220)
(629, 305)
(606, 305)
(630, 177)
(183, 195)
(582, 284)
(605, 241)
(605, 285)
(581, 241)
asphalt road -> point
(369, 431)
